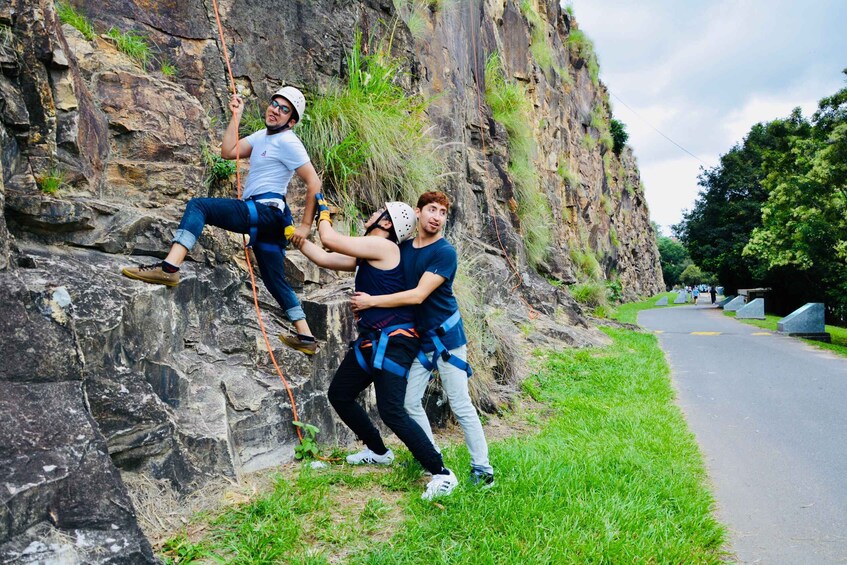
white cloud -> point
(704, 73)
(670, 186)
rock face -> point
(102, 376)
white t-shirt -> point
(273, 161)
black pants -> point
(350, 380)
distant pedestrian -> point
(695, 293)
(713, 294)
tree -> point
(619, 135)
(693, 275)
(804, 221)
(728, 209)
(674, 259)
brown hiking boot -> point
(151, 274)
(294, 342)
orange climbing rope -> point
(533, 313)
(244, 238)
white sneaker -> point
(440, 485)
(368, 457)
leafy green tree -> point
(693, 275)
(804, 221)
(619, 135)
(674, 259)
(728, 209)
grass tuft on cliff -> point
(511, 107)
(601, 469)
(369, 138)
(582, 46)
(69, 15)
(133, 45)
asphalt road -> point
(770, 416)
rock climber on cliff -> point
(387, 342)
(276, 154)
(430, 263)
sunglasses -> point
(281, 107)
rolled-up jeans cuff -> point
(184, 238)
(295, 314)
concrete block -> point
(681, 297)
(663, 301)
(752, 310)
(807, 321)
(734, 304)
(726, 300)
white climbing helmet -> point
(403, 218)
(295, 97)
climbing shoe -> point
(368, 457)
(153, 274)
(482, 479)
(440, 485)
(301, 343)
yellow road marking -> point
(705, 333)
(658, 331)
(761, 333)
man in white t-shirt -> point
(276, 155)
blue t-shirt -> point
(440, 259)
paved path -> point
(770, 416)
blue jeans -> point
(232, 215)
(455, 384)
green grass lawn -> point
(839, 335)
(601, 469)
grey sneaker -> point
(368, 457)
(482, 479)
(152, 274)
(309, 347)
(440, 485)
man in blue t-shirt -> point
(276, 155)
(430, 263)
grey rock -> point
(725, 301)
(755, 309)
(808, 321)
(735, 304)
(663, 301)
(681, 297)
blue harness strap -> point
(253, 214)
(378, 360)
(441, 350)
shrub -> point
(588, 142)
(168, 69)
(619, 135)
(218, 169)
(69, 15)
(133, 45)
(586, 264)
(51, 181)
(511, 107)
(369, 138)
(590, 294)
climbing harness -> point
(378, 361)
(275, 200)
(441, 350)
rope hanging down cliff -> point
(244, 239)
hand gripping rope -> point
(244, 239)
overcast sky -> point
(703, 73)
